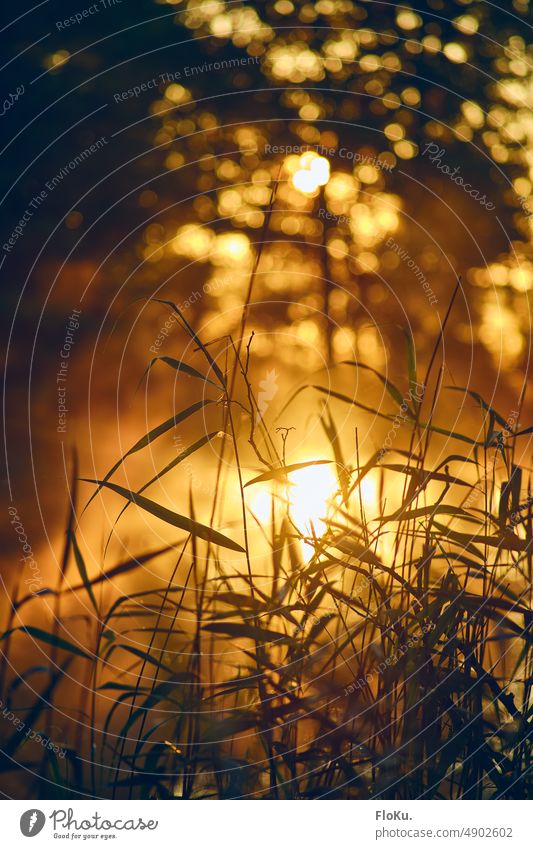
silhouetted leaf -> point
(51, 639)
(82, 569)
(180, 366)
(237, 629)
(171, 518)
(281, 473)
(151, 436)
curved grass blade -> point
(281, 474)
(393, 390)
(173, 463)
(180, 366)
(423, 425)
(124, 567)
(151, 436)
(506, 542)
(482, 403)
(82, 569)
(252, 632)
(170, 517)
(139, 653)
(44, 698)
(46, 637)
(521, 432)
(193, 335)
(424, 476)
(411, 359)
(332, 434)
(431, 510)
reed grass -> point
(321, 667)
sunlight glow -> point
(369, 493)
(313, 171)
(310, 494)
(261, 504)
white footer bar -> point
(268, 824)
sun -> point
(308, 495)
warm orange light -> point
(312, 172)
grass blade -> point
(170, 517)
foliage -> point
(326, 664)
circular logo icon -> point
(32, 822)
